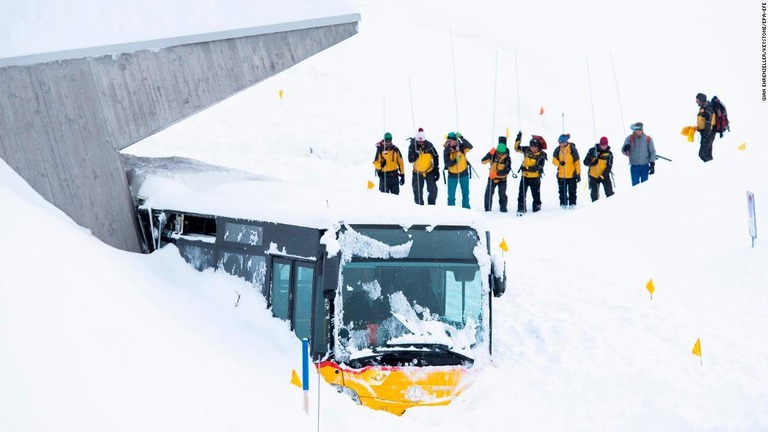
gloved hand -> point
(519, 136)
(379, 173)
(653, 168)
(437, 175)
(578, 178)
(493, 151)
(562, 163)
(492, 175)
(383, 162)
(402, 179)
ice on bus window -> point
(241, 233)
(197, 257)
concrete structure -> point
(64, 116)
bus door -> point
(291, 293)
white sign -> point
(751, 211)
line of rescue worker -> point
(390, 168)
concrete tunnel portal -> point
(64, 116)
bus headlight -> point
(348, 391)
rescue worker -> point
(599, 159)
(532, 169)
(705, 121)
(566, 158)
(426, 168)
(641, 152)
(498, 158)
(455, 156)
(389, 166)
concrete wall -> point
(62, 123)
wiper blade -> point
(437, 347)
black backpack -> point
(721, 117)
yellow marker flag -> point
(295, 380)
(691, 133)
(684, 132)
(370, 184)
(280, 94)
(506, 134)
(649, 286)
(697, 348)
(743, 146)
(503, 245)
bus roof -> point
(192, 186)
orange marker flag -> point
(649, 286)
(503, 245)
(743, 146)
(697, 347)
(370, 184)
(697, 350)
(280, 94)
(295, 380)
(541, 110)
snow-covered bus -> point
(394, 298)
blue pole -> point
(305, 364)
(305, 372)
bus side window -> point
(279, 294)
(302, 299)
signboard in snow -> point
(752, 221)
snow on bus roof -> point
(192, 186)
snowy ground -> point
(96, 339)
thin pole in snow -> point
(591, 102)
(517, 80)
(495, 83)
(384, 113)
(318, 396)
(413, 116)
(616, 82)
(562, 115)
(455, 89)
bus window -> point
(463, 296)
(281, 279)
(198, 257)
(302, 299)
(231, 263)
(256, 271)
(244, 234)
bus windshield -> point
(398, 305)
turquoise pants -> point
(464, 182)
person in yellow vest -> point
(599, 159)
(498, 158)
(566, 158)
(426, 168)
(705, 121)
(455, 156)
(532, 169)
(389, 166)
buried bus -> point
(394, 299)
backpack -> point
(722, 124)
